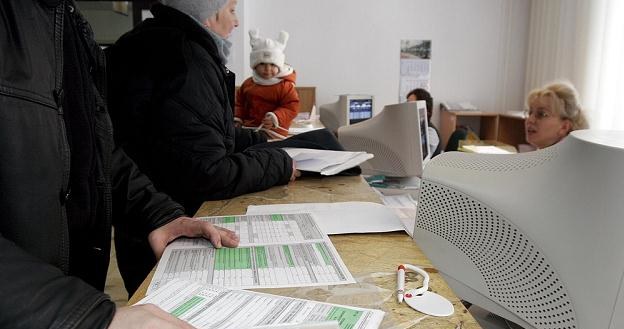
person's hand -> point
(267, 123)
(295, 173)
(145, 317)
(190, 227)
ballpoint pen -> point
(259, 127)
(400, 283)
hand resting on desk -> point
(144, 317)
(151, 316)
(190, 227)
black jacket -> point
(43, 277)
(171, 104)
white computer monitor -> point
(536, 237)
(398, 138)
(349, 109)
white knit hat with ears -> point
(265, 50)
(198, 9)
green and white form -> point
(209, 306)
(275, 251)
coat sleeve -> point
(38, 295)
(210, 164)
(246, 138)
(289, 106)
(135, 198)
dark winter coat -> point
(171, 101)
(50, 275)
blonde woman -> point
(554, 111)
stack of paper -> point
(326, 162)
(275, 251)
(208, 306)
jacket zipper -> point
(59, 16)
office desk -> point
(371, 258)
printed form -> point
(208, 306)
(275, 251)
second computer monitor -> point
(397, 137)
(360, 108)
(349, 109)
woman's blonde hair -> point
(565, 102)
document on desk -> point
(340, 217)
(326, 162)
(405, 208)
(209, 306)
(275, 251)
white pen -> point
(259, 127)
(400, 283)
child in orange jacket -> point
(268, 99)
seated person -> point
(554, 111)
(268, 99)
(171, 99)
(420, 94)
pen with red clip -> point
(400, 283)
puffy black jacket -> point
(170, 97)
(41, 285)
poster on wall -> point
(415, 66)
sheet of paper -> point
(209, 306)
(485, 149)
(340, 217)
(326, 162)
(275, 251)
(405, 208)
(301, 128)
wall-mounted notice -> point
(415, 66)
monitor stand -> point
(395, 185)
(412, 182)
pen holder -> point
(420, 298)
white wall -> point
(352, 46)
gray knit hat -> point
(198, 9)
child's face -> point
(267, 70)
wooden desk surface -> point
(371, 258)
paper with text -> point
(275, 251)
(209, 306)
(340, 217)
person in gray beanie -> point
(201, 10)
(171, 101)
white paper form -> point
(326, 162)
(405, 207)
(208, 306)
(275, 251)
(340, 217)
